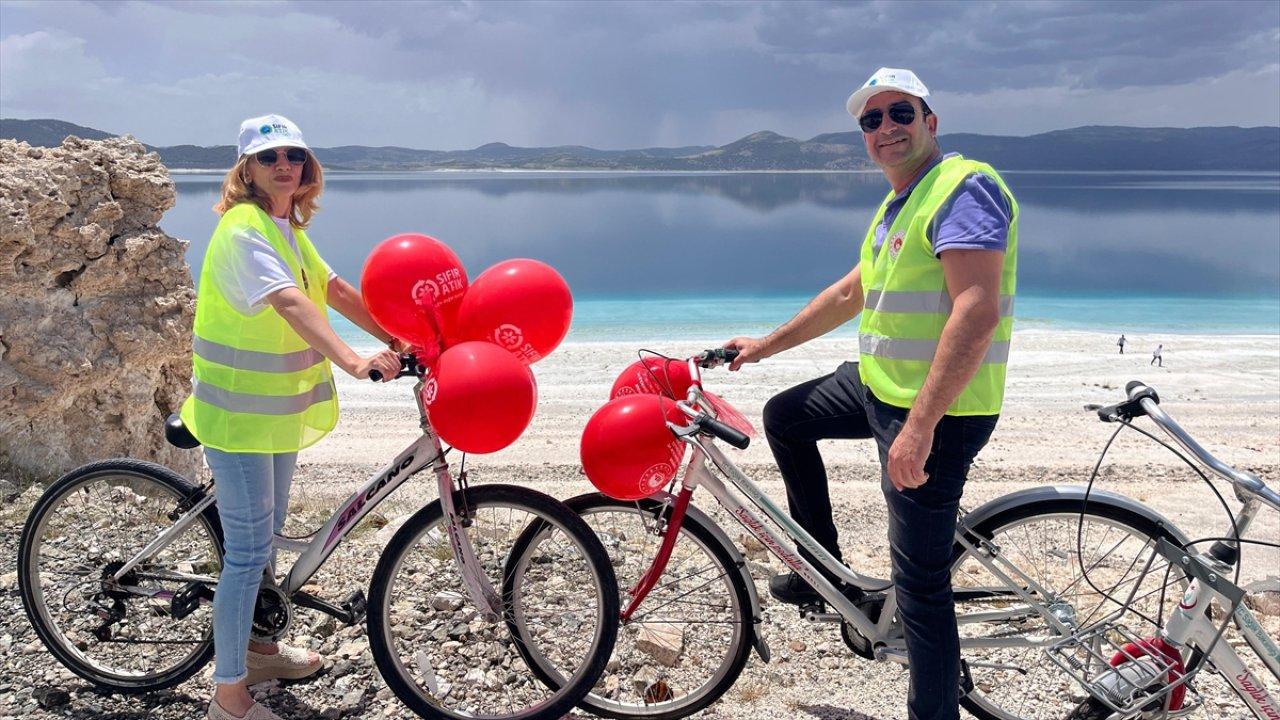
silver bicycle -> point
(1034, 573)
(1129, 674)
(119, 560)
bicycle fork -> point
(483, 597)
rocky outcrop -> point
(96, 306)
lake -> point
(699, 255)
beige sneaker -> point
(290, 663)
(257, 711)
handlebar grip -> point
(375, 375)
(1138, 390)
(725, 433)
(712, 358)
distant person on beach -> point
(263, 387)
(1120, 342)
(935, 287)
(1157, 357)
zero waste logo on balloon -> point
(508, 336)
(424, 290)
(429, 391)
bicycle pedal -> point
(817, 613)
(356, 606)
(187, 599)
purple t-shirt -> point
(975, 217)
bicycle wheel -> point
(1050, 542)
(444, 660)
(691, 637)
(122, 635)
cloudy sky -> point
(454, 75)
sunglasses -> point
(902, 113)
(295, 156)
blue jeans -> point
(253, 500)
(922, 521)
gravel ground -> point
(812, 674)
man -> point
(1121, 342)
(1157, 357)
(934, 286)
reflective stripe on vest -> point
(255, 360)
(922, 302)
(904, 349)
(261, 404)
(906, 302)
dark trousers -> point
(922, 520)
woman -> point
(263, 388)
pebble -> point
(50, 697)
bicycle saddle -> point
(177, 433)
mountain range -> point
(1093, 147)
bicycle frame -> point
(317, 547)
(888, 644)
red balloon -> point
(627, 450)
(479, 397)
(653, 376)
(728, 414)
(523, 305)
(413, 286)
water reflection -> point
(712, 234)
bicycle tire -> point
(1066, 513)
(726, 668)
(431, 701)
(70, 647)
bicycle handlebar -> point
(1143, 400)
(718, 356)
(409, 367)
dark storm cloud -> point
(614, 74)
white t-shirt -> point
(252, 269)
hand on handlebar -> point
(750, 350)
(385, 362)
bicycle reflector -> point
(627, 450)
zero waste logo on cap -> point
(873, 82)
(274, 127)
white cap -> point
(269, 131)
(903, 81)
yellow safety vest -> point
(906, 303)
(258, 387)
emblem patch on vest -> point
(895, 244)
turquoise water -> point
(716, 320)
(708, 256)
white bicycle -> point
(1132, 675)
(1043, 578)
(119, 559)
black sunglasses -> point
(902, 113)
(295, 156)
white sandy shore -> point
(1224, 389)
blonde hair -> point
(237, 187)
